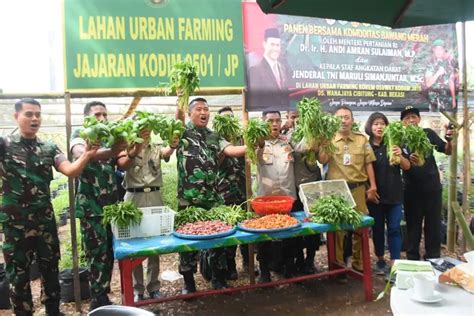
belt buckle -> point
(147, 190)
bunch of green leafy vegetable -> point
(393, 135)
(228, 127)
(316, 127)
(124, 130)
(334, 210)
(122, 215)
(171, 129)
(355, 127)
(255, 131)
(95, 132)
(231, 215)
(183, 78)
(418, 143)
(150, 121)
(190, 214)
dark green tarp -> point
(392, 13)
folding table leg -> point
(331, 250)
(367, 278)
(251, 263)
(125, 266)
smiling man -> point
(351, 161)
(26, 212)
(198, 166)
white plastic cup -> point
(423, 285)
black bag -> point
(67, 285)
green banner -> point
(133, 44)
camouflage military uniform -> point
(28, 218)
(198, 157)
(96, 188)
(439, 94)
(231, 188)
(305, 172)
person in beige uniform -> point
(275, 176)
(351, 161)
(142, 182)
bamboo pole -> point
(72, 213)
(463, 224)
(117, 93)
(452, 194)
(248, 188)
(466, 145)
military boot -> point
(189, 283)
(52, 309)
(231, 269)
(101, 300)
(218, 279)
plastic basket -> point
(310, 192)
(270, 204)
(156, 221)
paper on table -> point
(413, 266)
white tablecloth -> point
(456, 302)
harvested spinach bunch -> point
(95, 132)
(418, 143)
(316, 127)
(334, 210)
(123, 215)
(255, 131)
(183, 78)
(393, 135)
(227, 127)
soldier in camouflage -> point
(97, 188)
(440, 79)
(26, 213)
(305, 171)
(198, 160)
(231, 187)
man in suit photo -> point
(268, 80)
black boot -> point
(264, 274)
(189, 284)
(309, 266)
(231, 269)
(52, 308)
(218, 279)
(99, 301)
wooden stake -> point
(72, 211)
